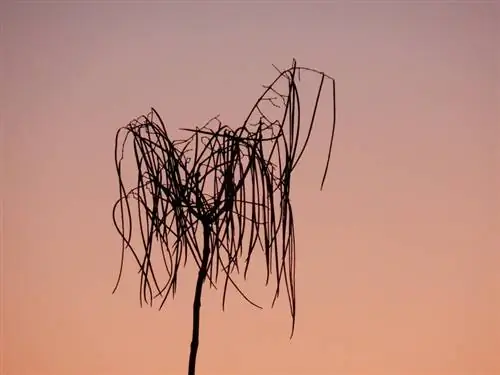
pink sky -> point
(398, 257)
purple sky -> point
(398, 257)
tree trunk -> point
(202, 273)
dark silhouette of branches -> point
(216, 196)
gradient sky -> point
(398, 257)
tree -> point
(216, 195)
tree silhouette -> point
(216, 196)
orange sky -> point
(398, 257)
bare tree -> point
(216, 196)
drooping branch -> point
(235, 181)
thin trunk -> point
(202, 273)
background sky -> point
(398, 257)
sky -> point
(397, 257)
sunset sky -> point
(398, 257)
